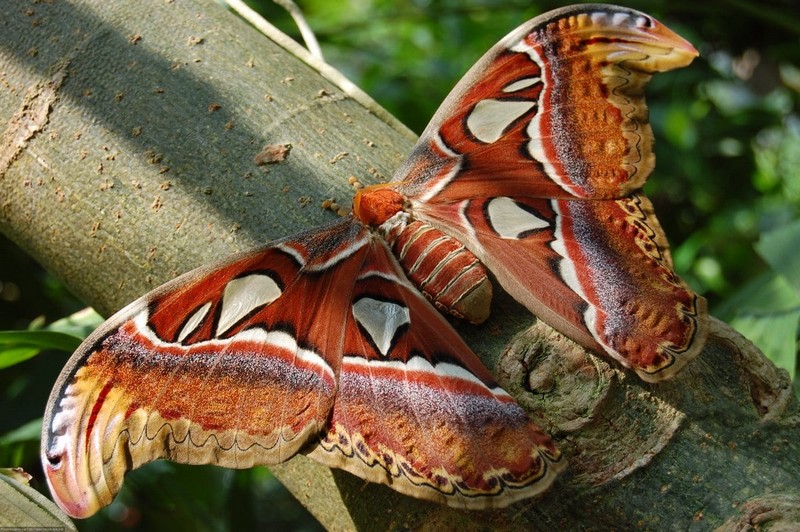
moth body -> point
(445, 271)
(441, 267)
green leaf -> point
(62, 335)
(780, 248)
(39, 339)
(79, 324)
(768, 293)
(21, 445)
(679, 128)
(30, 431)
(774, 334)
(18, 346)
(767, 311)
(14, 355)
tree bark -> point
(128, 157)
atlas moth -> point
(323, 343)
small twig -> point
(305, 30)
(324, 69)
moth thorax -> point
(449, 275)
(376, 204)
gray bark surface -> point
(127, 157)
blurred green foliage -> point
(726, 189)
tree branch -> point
(127, 158)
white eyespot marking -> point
(194, 321)
(63, 420)
(510, 220)
(521, 84)
(598, 17)
(620, 19)
(381, 320)
(490, 118)
(243, 295)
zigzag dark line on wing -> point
(197, 444)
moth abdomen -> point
(445, 271)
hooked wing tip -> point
(75, 497)
(74, 487)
